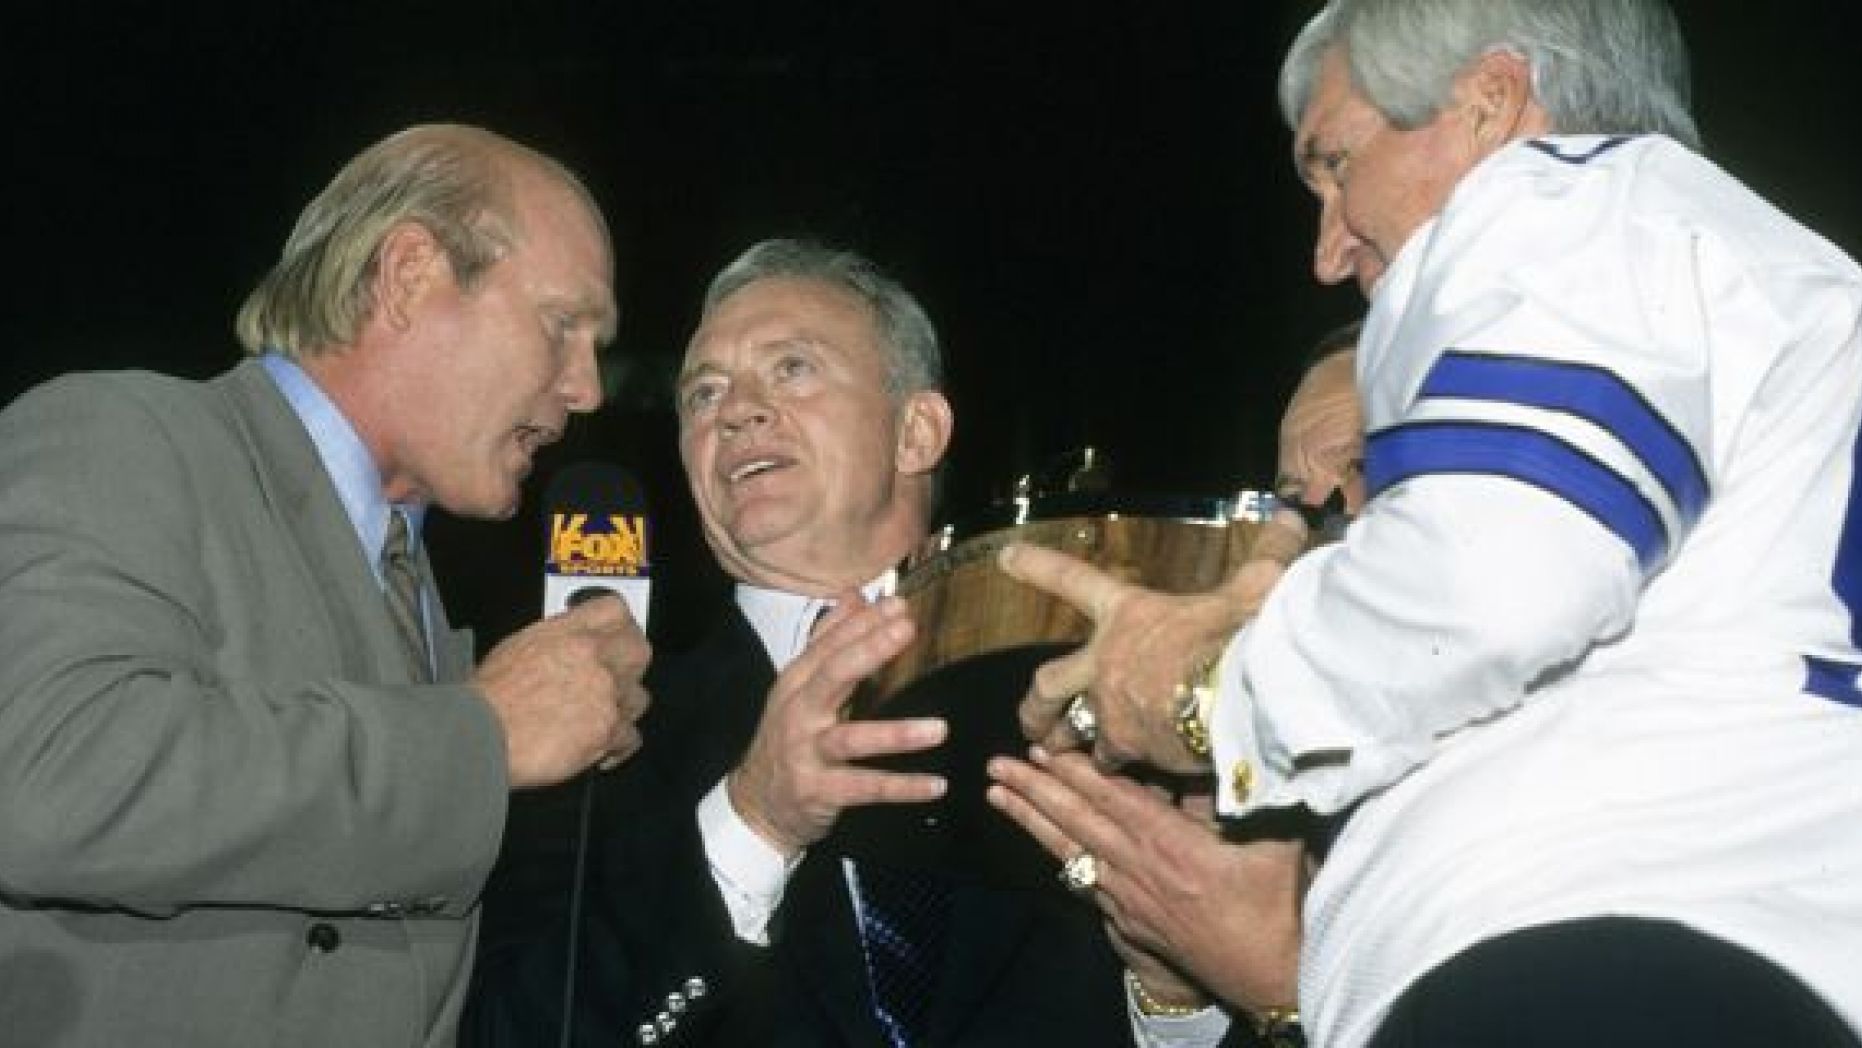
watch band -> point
(1195, 695)
(1278, 1028)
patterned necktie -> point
(402, 577)
(903, 918)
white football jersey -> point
(1591, 648)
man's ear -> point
(1495, 93)
(925, 424)
(408, 262)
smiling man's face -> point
(810, 475)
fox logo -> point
(621, 550)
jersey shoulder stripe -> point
(1833, 680)
(1587, 391)
(1415, 449)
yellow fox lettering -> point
(622, 550)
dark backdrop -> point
(1094, 201)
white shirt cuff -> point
(750, 874)
(1204, 1029)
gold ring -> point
(1081, 873)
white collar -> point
(783, 620)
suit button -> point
(695, 988)
(323, 938)
(648, 1034)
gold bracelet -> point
(1155, 1008)
(1278, 1028)
(1194, 697)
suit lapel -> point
(714, 701)
(454, 655)
(815, 925)
(337, 579)
(822, 936)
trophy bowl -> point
(980, 637)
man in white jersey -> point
(1585, 669)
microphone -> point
(596, 539)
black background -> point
(1093, 200)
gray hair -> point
(1598, 66)
(454, 180)
(905, 332)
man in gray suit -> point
(250, 786)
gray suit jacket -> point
(227, 815)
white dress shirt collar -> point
(345, 458)
(783, 620)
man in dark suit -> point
(250, 781)
(811, 429)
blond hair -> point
(454, 180)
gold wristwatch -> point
(1278, 1028)
(1194, 698)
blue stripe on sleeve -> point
(1590, 393)
(1416, 449)
(1832, 680)
(1846, 576)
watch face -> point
(1192, 729)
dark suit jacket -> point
(1022, 968)
(228, 816)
